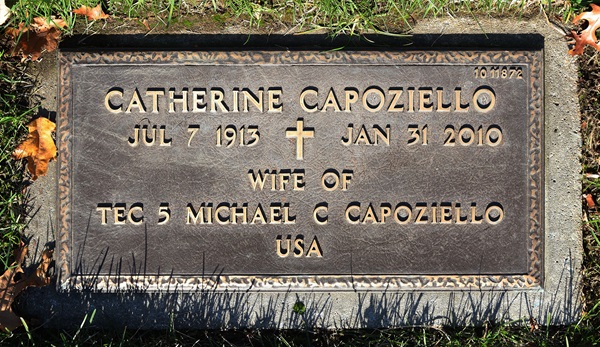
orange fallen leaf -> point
(589, 199)
(91, 13)
(34, 44)
(15, 32)
(145, 23)
(533, 325)
(41, 36)
(42, 24)
(12, 283)
(588, 35)
(38, 147)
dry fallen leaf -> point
(533, 324)
(91, 13)
(15, 32)
(589, 199)
(42, 24)
(587, 36)
(4, 12)
(34, 44)
(38, 147)
(41, 36)
(145, 23)
(12, 284)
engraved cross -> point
(300, 133)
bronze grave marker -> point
(275, 170)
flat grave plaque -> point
(279, 170)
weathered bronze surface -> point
(381, 170)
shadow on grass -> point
(208, 307)
(212, 309)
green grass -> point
(589, 100)
(336, 17)
(15, 112)
(488, 335)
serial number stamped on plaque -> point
(252, 171)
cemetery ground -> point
(20, 99)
